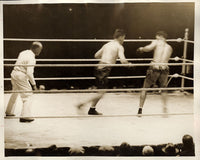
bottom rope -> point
(101, 90)
(103, 116)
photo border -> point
(196, 78)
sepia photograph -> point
(98, 79)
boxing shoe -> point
(10, 114)
(92, 111)
(139, 112)
(26, 120)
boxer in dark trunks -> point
(108, 54)
(157, 73)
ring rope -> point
(103, 116)
(99, 90)
(169, 80)
(83, 78)
(188, 78)
(189, 41)
(90, 78)
(90, 40)
(81, 60)
(95, 65)
(187, 60)
(95, 60)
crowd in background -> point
(186, 148)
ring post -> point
(184, 57)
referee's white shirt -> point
(26, 57)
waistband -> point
(156, 66)
(159, 67)
(102, 66)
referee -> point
(22, 78)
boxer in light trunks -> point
(156, 73)
(21, 77)
(108, 54)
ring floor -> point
(94, 131)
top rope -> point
(92, 40)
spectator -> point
(106, 151)
(147, 151)
(188, 146)
(76, 151)
(125, 149)
(170, 150)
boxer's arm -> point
(99, 53)
(149, 47)
(122, 56)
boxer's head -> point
(36, 47)
(119, 34)
(161, 35)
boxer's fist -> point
(139, 50)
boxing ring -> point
(59, 122)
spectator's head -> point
(125, 149)
(76, 151)
(119, 34)
(106, 150)
(170, 150)
(187, 141)
(161, 35)
(147, 151)
(36, 47)
(53, 147)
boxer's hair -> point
(35, 45)
(118, 33)
(162, 33)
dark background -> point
(90, 21)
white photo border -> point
(196, 76)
